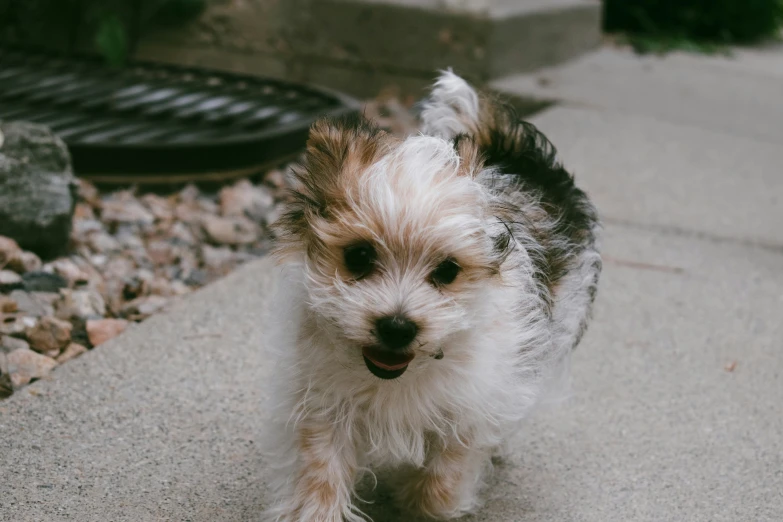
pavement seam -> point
(697, 234)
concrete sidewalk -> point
(677, 411)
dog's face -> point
(393, 237)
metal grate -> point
(162, 123)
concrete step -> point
(480, 39)
(739, 94)
(364, 46)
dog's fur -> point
(477, 186)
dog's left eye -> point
(359, 259)
(445, 273)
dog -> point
(436, 285)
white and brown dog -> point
(436, 285)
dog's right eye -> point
(359, 259)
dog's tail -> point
(452, 108)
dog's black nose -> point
(395, 331)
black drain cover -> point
(151, 123)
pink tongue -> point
(387, 360)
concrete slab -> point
(335, 43)
(739, 95)
(645, 171)
(483, 42)
(163, 423)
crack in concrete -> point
(698, 234)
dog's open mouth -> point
(386, 364)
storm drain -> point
(150, 123)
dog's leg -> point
(324, 478)
(447, 486)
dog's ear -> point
(337, 152)
(471, 161)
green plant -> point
(118, 27)
(111, 40)
(704, 21)
(110, 27)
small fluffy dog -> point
(436, 285)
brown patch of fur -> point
(436, 493)
(313, 480)
(468, 150)
(337, 153)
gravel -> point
(130, 255)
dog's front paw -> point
(316, 500)
(436, 496)
(308, 514)
(313, 509)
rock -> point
(164, 287)
(230, 231)
(83, 211)
(189, 194)
(207, 206)
(101, 330)
(10, 281)
(161, 252)
(31, 262)
(68, 270)
(88, 193)
(15, 259)
(139, 258)
(143, 307)
(276, 179)
(83, 227)
(113, 296)
(179, 288)
(24, 262)
(125, 209)
(98, 260)
(37, 188)
(182, 234)
(8, 249)
(129, 238)
(81, 304)
(7, 305)
(101, 242)
(49, 335)
(8, 344)
(187, 212)
(72, 351)
(41, 281)
(160, 207)
(217, 258)
(245, 199)
(188, 262)
(33, 304)
(15, 325)
(197, 278)
(26, 365)
(119, 268)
